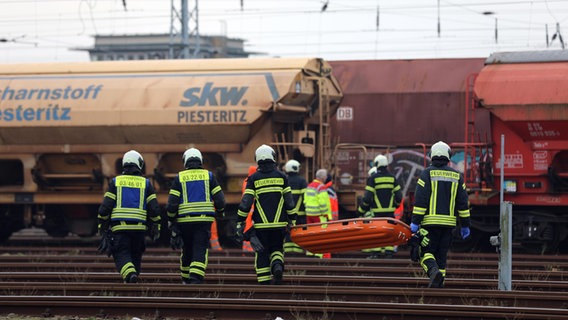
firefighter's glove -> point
(176, 242)
(105, 246)
(465, 232)
(239, 232)
(220, 213)
(154, 231)
(368, 214)
(255, 243)
(414, 244)
(414, 227)
(103, 227)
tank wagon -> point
(65, 127)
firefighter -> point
(298, 184)
(382, 196)
(129, 210)
(318, 206)
(273, 215)
(440, 200)
(194, 201)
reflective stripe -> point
(130, 203)
(195, 195)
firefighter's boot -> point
(277, 272)
(434, 273)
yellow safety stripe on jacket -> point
(124, 226)
(268, 185)
(433, 218)
(384, 183)
(110, 195)
(300, 200)
(123, 213)
(463, 213)
(195, 207)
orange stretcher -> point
(350, 234)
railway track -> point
(50, 281)
(238, 309)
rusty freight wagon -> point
(65, 126)
(398, 108)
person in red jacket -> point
(248, 222)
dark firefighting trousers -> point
(127, 250)
(436, 253)
(272, 240)
(193, 260)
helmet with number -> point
(440, 149)
(292, 166)
(372, 171)
(264, 153)
(133, 158)
(381, 161)
(192, 154)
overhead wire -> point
(289, 38)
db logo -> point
(345, 113)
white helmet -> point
(440, 149)
(381, 161)
(292, 166)
(264, 153)
(192, 153)
(372, 171)
(132, 157)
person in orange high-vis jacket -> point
(248, 222)
(214, 241)
(332, 198)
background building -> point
(161, 46)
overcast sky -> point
(45, 30)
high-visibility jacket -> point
(128, 203)
(440, 195)
(269, 191)
(194, 196)
(316, 200)
(382, 194)
(333, 201)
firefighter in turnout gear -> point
(298, 184)
(273, 215)
(382, 196)
(129, 210)
(440, 200)
(195, 200)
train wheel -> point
(542, 246)
(546, 239)
(54, 223)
